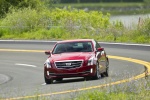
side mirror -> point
(100, 49)
(47, 52)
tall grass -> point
(134, 90)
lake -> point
(129, 20)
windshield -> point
(73, 47)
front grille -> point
(68, 64)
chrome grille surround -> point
(68, 64)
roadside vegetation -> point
(114, 8)
(69, 23)
(132, 90)
(128, 91)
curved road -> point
(21, 69)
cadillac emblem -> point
(68, 64)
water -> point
(129, 20)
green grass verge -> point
(133, 90)
(109, 35)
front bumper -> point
(86, 71)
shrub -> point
(71, 21)
(68, 23)
(6, 4)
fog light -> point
(48, 73)
(91, 70)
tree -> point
(4, 7)
(6, 4)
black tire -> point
(87, 78)
(48, 81)
(107, 69)
(59, 79)
(103, 74)
(106, 73)
(97, 74)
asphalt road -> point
(21, 72)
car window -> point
(97, 45)
(73, 47)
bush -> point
(71, 21)
(142, 34)
(6, 4)
(23, 20)
(68, 23)
(147, 1)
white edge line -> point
(126, 44)
(19, 64)
(42, 41)
(43, 84)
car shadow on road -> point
(71, 80)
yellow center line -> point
(141, 62)
(20, 50)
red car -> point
(76, 58)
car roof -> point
(75, 40)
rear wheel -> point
(106, 73)
(107, 70)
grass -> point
(109, 35)
(133, 90)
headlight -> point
(90, 61)
(47, 63)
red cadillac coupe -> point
(76, 58)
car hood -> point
(71, 56)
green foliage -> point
(6, 4)
(29, 3)
(142, 34)
(145, 27)
(68, 23)
(133, 90)
(3, 7)
(97, 95)
(147, 1)
(69, 20)
(22, 20)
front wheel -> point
(48, 81)
(59, 79)
(97, 74)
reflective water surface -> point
(129, 20)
